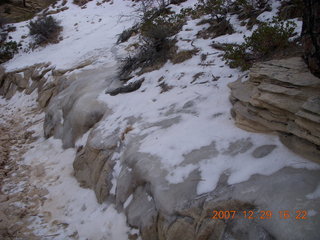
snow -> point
(315, 194)
(87, 34)
(127, 202)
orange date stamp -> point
(261, 214)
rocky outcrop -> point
(163, 211)
(282, 97)
(75, 108)
(136, 182)
(26, 79)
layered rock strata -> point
(282, 97)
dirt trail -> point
(19, 199)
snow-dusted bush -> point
(7, 50)
(45, 30)
(156, 30)
(150, 56)
(270, 37)
(266, 39)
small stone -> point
(263, 151)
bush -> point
(156, 29)
(236, 56)
(270, 37)
(7, 51)
(264, 41)
(161, 22)
(45, 30)
(151, 56)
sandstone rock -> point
(20, 80)
(273, 88)
(312, 105)
(5, 86)
(45, 94)
(34, 85)
(39, 72)
(301, 146)
(93, 170)
(291, 71)
(280, 96)
(11, 91)
(179, 228)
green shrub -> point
(45, 30)
(162, 23)
(237, 56)
(264, 41)
(270, 37)
(7, 50)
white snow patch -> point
(315, 194)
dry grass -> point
(183, 56)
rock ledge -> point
(282, 97)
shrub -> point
(236, 56)
(150, 56)
(45, 30)
(7, 50)
(161, 23)
(270, 37)
(156, 30)
(264, 41)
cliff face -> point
(281, 96)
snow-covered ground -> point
(198, 107)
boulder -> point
(281, 96)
